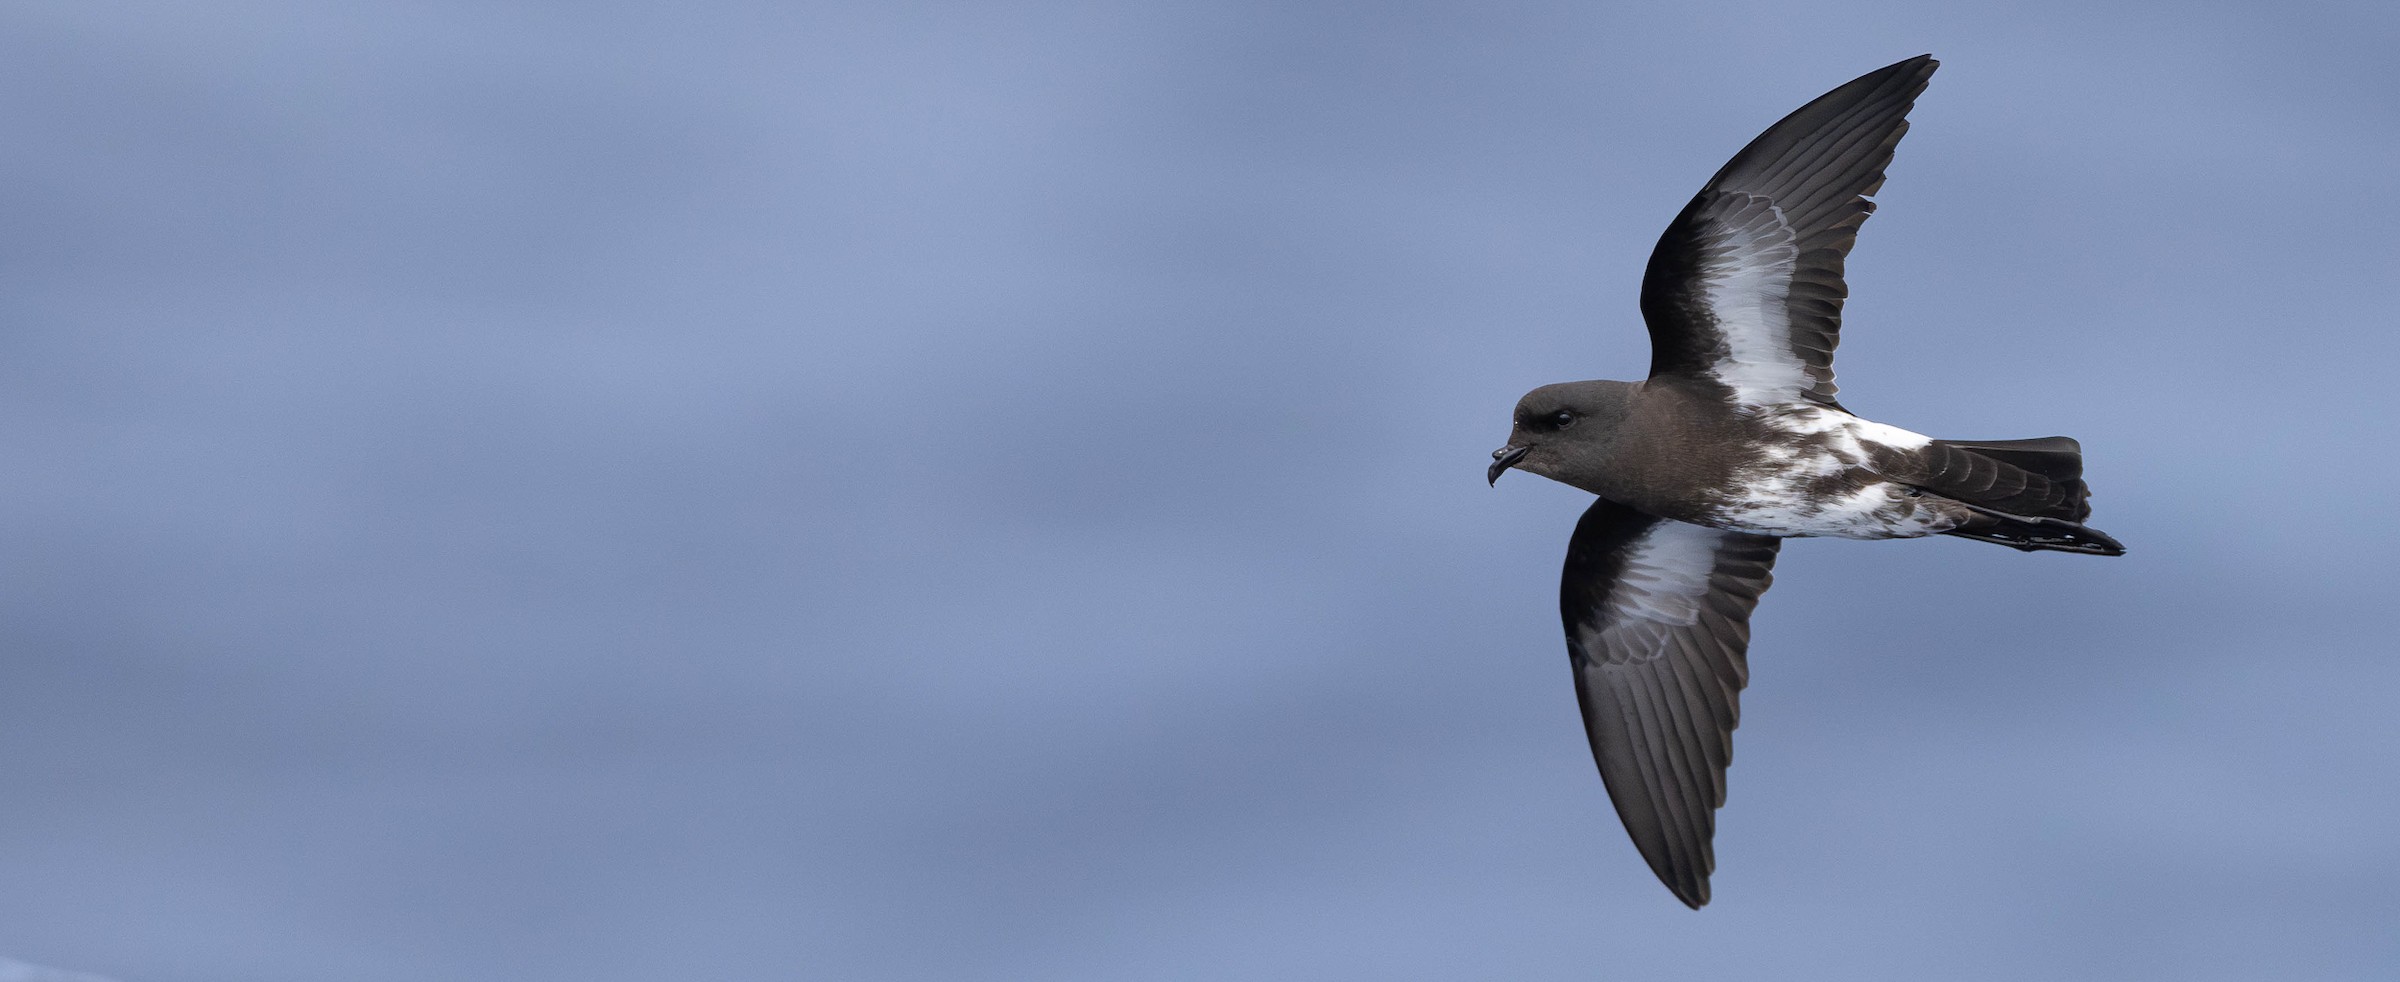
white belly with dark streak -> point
(1817, 476)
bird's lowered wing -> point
(1658, 617)
(1745, 288)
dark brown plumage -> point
(1735, 442)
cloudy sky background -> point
(914, 490)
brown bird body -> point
(1734, 442)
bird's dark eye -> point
(1562, 419)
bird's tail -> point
(2028, 494)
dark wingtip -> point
(1913, 75)
(1694, 895)
(1923, 62)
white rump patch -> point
(1847, 436)
(1785, 492)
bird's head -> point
(1564, 432)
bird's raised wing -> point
(1658, 617)
(1745, 288)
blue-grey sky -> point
(924, 490)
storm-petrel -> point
(1734, 443)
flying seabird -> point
(1734, 443)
